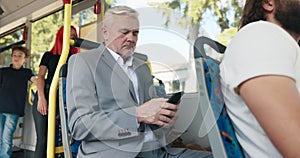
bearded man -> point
(260, 77)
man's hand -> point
(157, 111)
(42, 106)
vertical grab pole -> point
(54, 83)
(103, 3)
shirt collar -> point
(11, 66)
(119, 59)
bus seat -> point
(217, 122)
(69, 144)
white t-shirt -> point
(259, 48)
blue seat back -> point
(228, 141)
(70, 145)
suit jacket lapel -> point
(132, 92)
(118, 71)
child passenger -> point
(13, 90)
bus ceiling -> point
(15, 13)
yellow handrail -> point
(31, 88)
(54, 83)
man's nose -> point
(131, 36)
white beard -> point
(129, 53)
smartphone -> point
(174, 99)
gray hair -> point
(118, 10)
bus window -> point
(16, 36)
(84, 17)
(43, 37)
(87, 22)
(44, 31)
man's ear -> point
(104, 33)
(268, 5)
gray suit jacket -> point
(102, 104)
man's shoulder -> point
(91, 53)
(47, 53)
(262, 28)
(140, 58)
(256, 35)
(90, 57)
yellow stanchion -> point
(54, 83)
(32, 88)
(102, 9)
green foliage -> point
(43, 37)
(109, 2)
(194, 10)
(227, 35)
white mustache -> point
(129, 44)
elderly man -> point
(260, 79)
(110, 98)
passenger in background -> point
(48, 65)
(110, 98)
(260, 76)
(13, 89)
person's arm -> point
(275, 102)
(42, 101)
